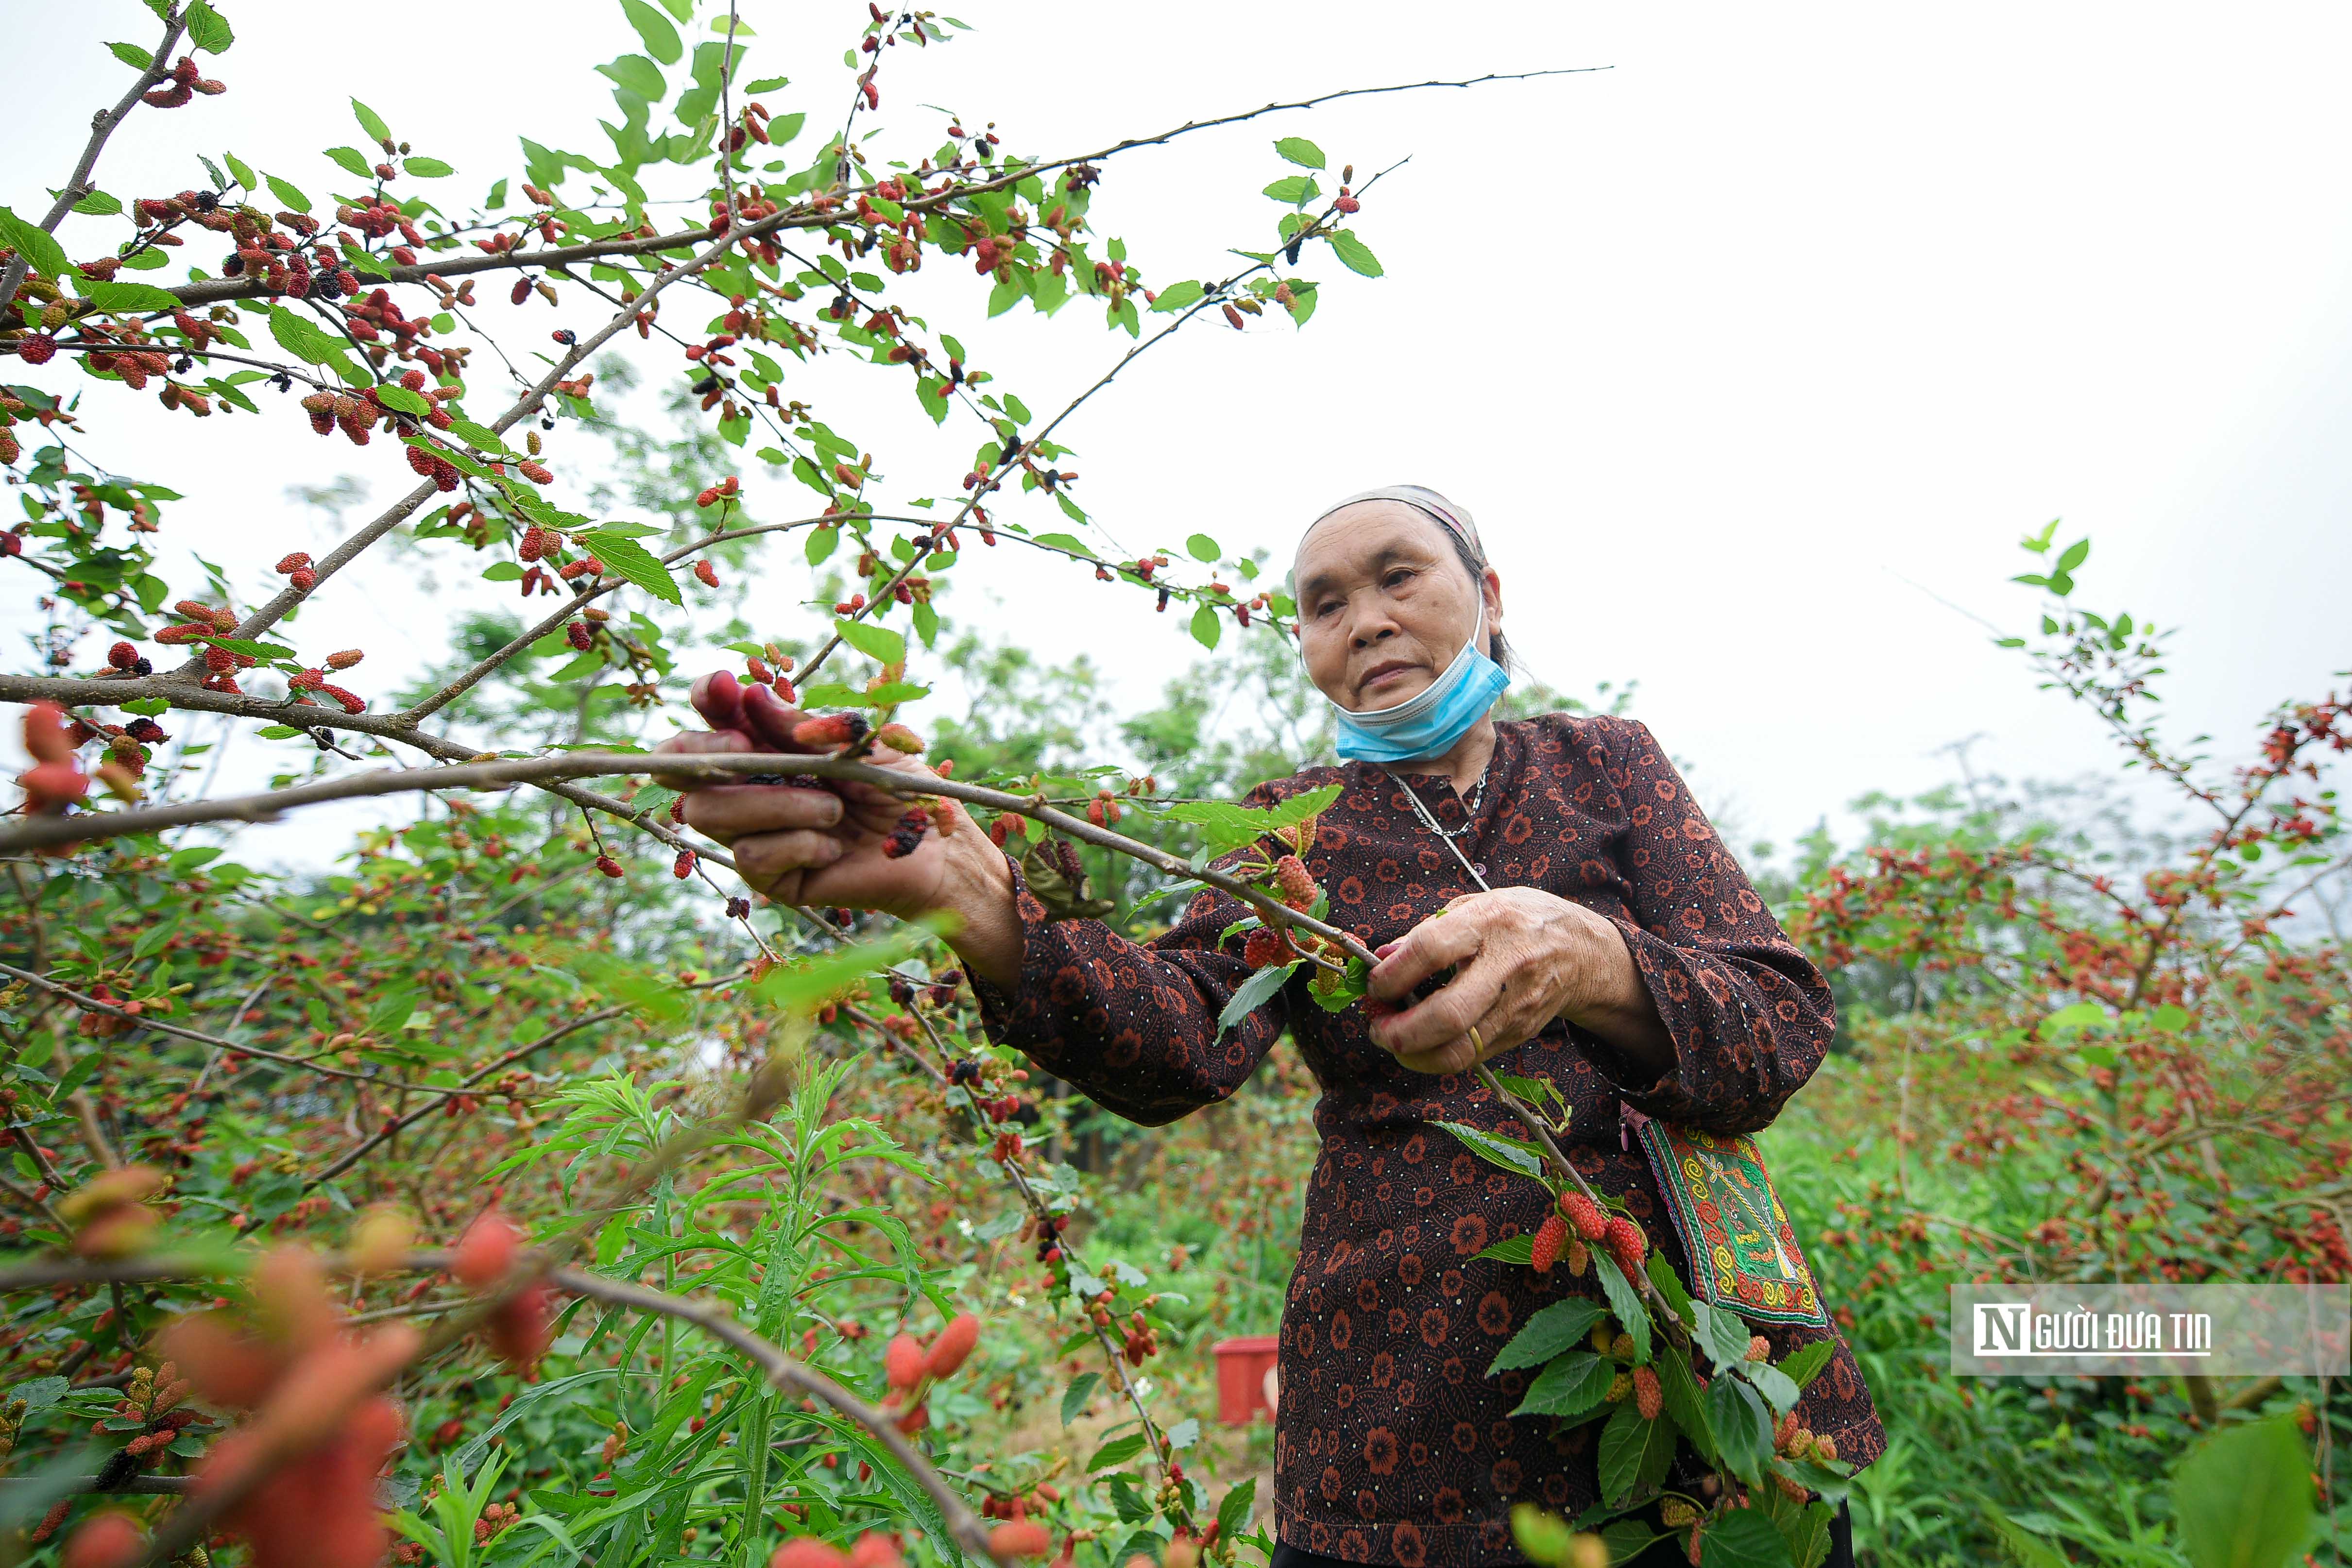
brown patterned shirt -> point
(1392, 1446)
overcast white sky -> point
(1726, 346)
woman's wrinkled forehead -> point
(1453, 518)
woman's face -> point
(1384, 603)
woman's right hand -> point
(825, 846)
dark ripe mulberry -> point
(965, 1071)
(738, 909)
(901, 991)
(1164, 600)
(907, 835)
(146, 731)
(522, 291)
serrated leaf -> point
(661, 38)
(1547, 1332)
(639, 74)
(129, 298)
(371, 121)
(879, 644)
(1573, 1384)
(1203, 548)
(1253, 993)
(1355, 255)
(1234, 1513)
(1519, 1159)
(1633, 1315)
(98, 204)
(1301, 152)
(35, 245)
(392, 394)
(207, 30)
(481, 438)
(1519, 1249)
(1176, 296)
(290, 195)
(1678, 1388)
(1296, 190)
(132, 55)
(1743, 1538)
(299, 337)
(1207, 626)
(426, 168)
(2073, 555)
(1117, 1451)
(1229, 826)
(624, 557)
(1073, 1398)
(352, 161)
(1635, 1453)
(1804, 1363)
(1741, 1427)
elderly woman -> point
(1597, 933)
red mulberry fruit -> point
(537, 473)
(122, 656)
(293, 562)
(829, 730)
(610, 867)
(1585, 1214)
(1299, 888)
(1626, 1244)
(1647, 1396)
(346, 658)
(534, 543)
(351, 704)
(303, 579)
(39, 349)
(684, 865)
(707, 573)
(580, 636)
(1550, 1236)
(219, 660)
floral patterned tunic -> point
(1392, 1446)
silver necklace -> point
(1470, 811)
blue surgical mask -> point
(1428, 724)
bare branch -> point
(50, 831)
(92, 1005)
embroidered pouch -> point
(1743, 1254)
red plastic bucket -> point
(1243, 1365)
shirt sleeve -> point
(1134, 1025)
(1751, 1017)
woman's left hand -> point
(1523, 958)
